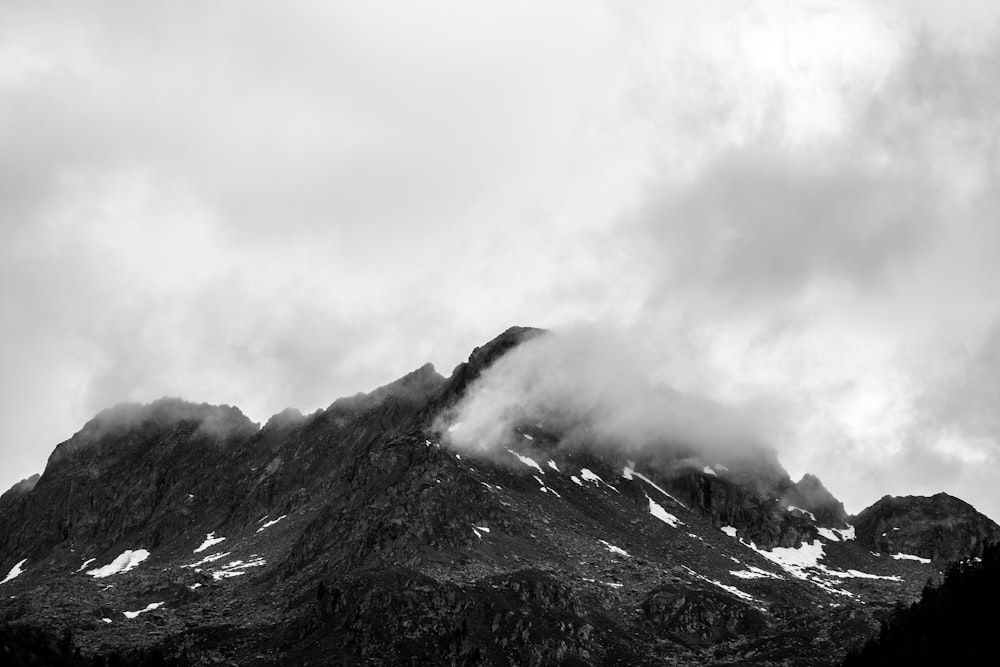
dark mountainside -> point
(178, 533)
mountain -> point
(358, 534)
(942, 527)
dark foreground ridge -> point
(953, 624)
(182, 533)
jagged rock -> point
(354, 534)
(941, 527)
(809, 494)
(700, 617)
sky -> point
(786, 207)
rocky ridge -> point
(356, 534)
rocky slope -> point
(356, 535)
(941, 527)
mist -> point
(593, 389)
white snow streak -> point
(235, 568)
(616, 550)
(271, 523)
(754, 572)
(528, 461)
(589, 476)
(911, 557)
(133, 614)
(85, 564)
(653, 484)
(793, 508)
(210, 540)
(209, 559)
(126, 561)
(14, 571)
(663, 515)
(743, 595)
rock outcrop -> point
(940, 527)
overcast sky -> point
(790, 206)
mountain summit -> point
(184, 533)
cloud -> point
(590, 388)
(787, 206)
(843, 284)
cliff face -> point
(356, 533)
(941, 527)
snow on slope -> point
(126, 561)
(590, 476)
(528, 461)
(743, 595)
(911, 557)
(271, 523)
(803, 562)
(793, 508)
(14, 571)
(615, 550)
(663, 515)
(210, 540)
(235, 568)
(654, 485)
(149, 607)
(837, 534)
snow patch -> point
(14, 571)
(793, 508)
(743, 595)
(545, 489)
(209, 559)
(709, 471)
(663, 515)
(454, 427)
(552, 464)
(149, 607)
(107, 620)
(925, 561)
(802, 562)
(527, 436)
(615, 550)
(589, 476)
(653, 484)
(729, 530)
(828, 534)
(126, 561)
(235, 568)
(528, 461)
(85, 564)
(576, 480)
(210, 540)
(754, 572)
(846, 533)
(271, 523)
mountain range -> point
(184, 533)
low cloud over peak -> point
(589, 388)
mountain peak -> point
(940, 527)
(215, 422)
